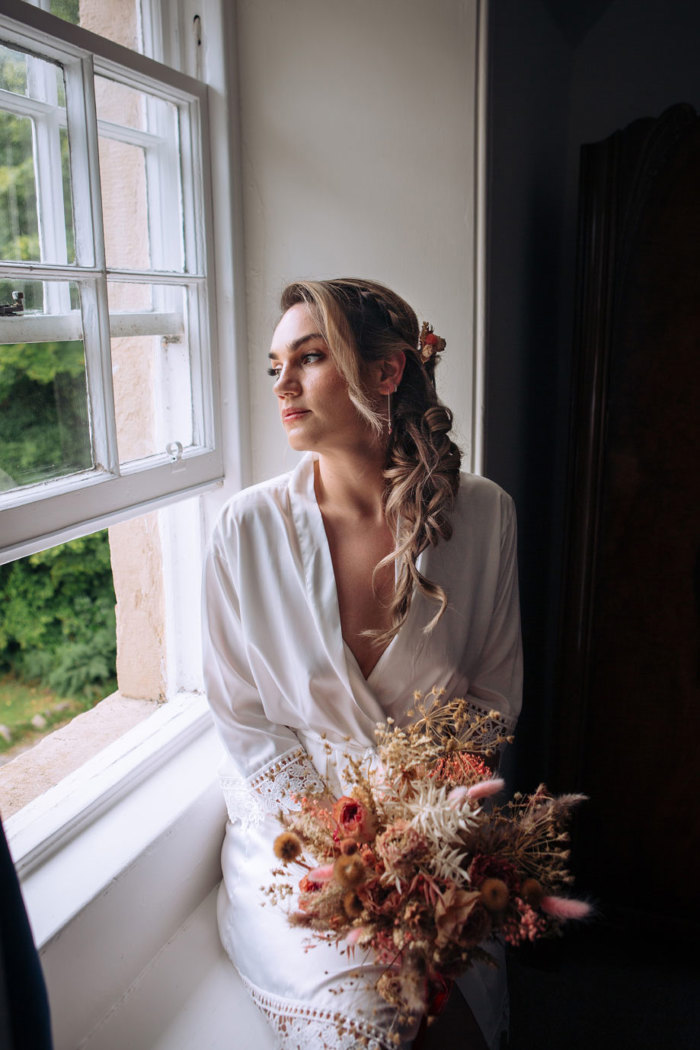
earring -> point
(388, 408)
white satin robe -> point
(288, 697)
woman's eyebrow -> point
(297, 343)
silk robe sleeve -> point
(475, 650)
(267, 765)
(498, 681)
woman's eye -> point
(274, 372)
(314, 355)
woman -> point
(332, 593)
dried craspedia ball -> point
(494, 894)
(532, 892)
(352, 905)
(287, 846)
(349, 871)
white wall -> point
(358, 155)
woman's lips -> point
(294, 413)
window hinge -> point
(13, 308)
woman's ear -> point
(391, 372)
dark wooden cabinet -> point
(628, 720)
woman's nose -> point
(287, 382)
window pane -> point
(140, 178)
(118, 20)
(151, 370)
(19, 221)
(58, 654)
(44, 421)
(13, 70)
(36, 218)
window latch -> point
(13, 308)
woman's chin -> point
(299, 442)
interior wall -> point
(560, 75)
(357, 142)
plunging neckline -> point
(328, 613)
(328, 558)
(380, 659)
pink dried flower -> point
(354, 935)
(565, 908)
(400, 847)
(457, 796)
(486, 788)
(354, 821)
(526, 926)
(324, 874)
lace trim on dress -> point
(299, 1026)
(271, 789)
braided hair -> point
(364, 322)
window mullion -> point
(84, 162)
(98, 365)
(90, 251)
(41, 81)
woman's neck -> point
(351, 485)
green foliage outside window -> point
(57, 617)
(44, 429)
(57, 624)
(67, 9)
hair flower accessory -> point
(429, 344)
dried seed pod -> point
(494, 894)
(287, 846)
(532, 892)
(349, 871)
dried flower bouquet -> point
(414, 867)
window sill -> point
(41, 766)
(74, 841)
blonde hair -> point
(364, 322)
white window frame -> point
(151, 755)
(37, 516)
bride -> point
(332, 593)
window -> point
(139, 325)
(106, 344)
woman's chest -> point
(364, 588)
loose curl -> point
(364, 322)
